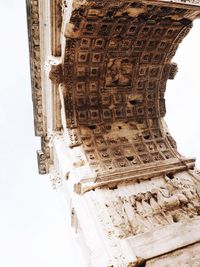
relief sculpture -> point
(160, 206)
(101, 68)
(118, 72)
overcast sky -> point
(32, 220)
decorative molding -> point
(56, 25)
(33, 21)
(139, 173)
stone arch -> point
(116, 65)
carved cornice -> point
(136, 175)
(35, 64)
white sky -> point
(32, 220)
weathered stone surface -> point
(186, 257)
(99, 71)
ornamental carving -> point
(175, 199)
(117, 62)
(99, 69)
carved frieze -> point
(174, 199)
